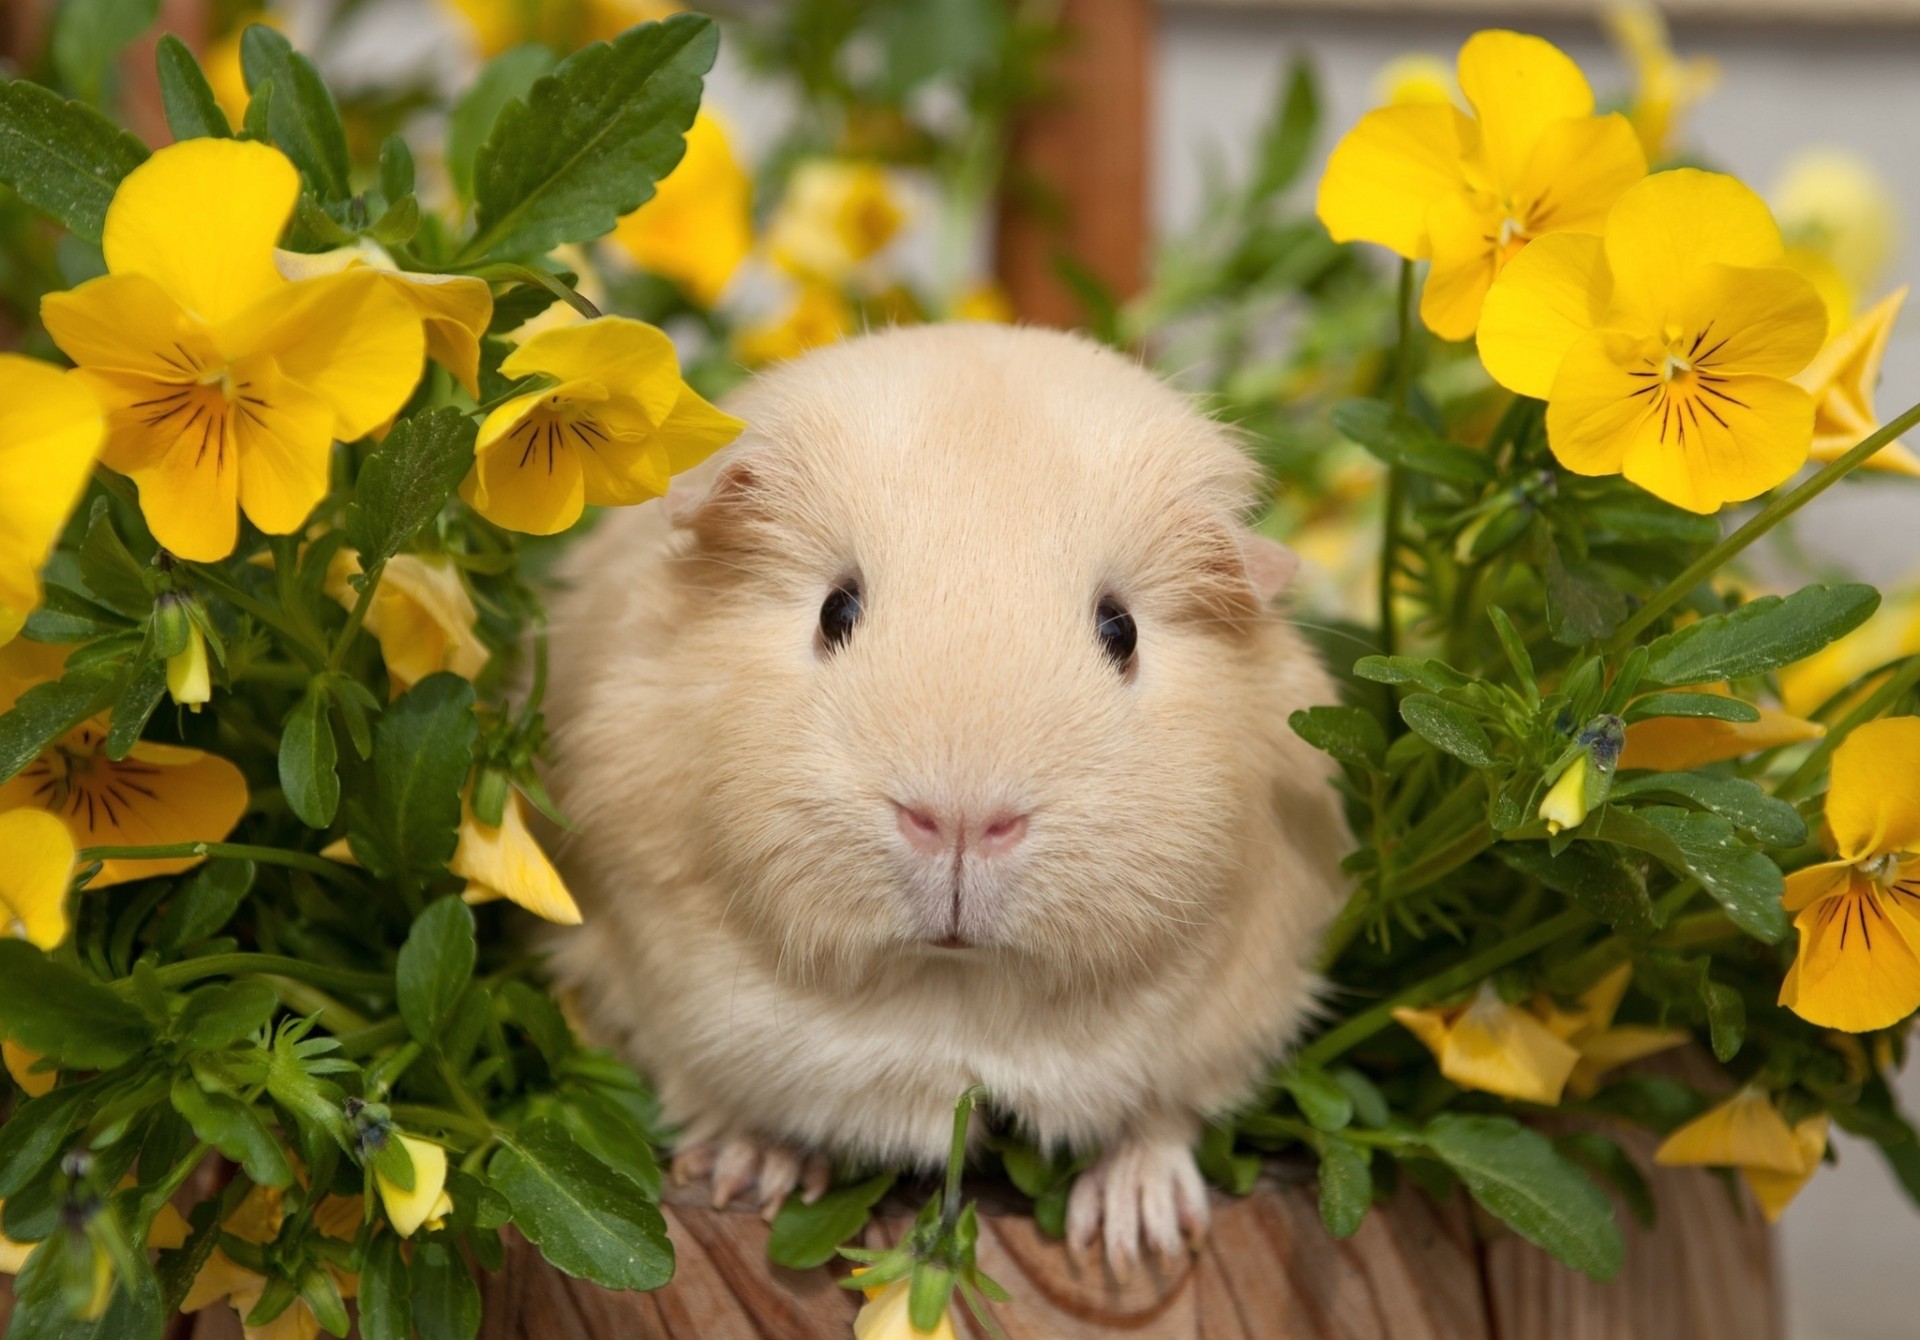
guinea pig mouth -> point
(951, 942)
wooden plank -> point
(1078, 177)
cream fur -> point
(756, 933)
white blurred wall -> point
(1851, 1243)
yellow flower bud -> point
(428, 1203)
(187, 680)
(1566, 804)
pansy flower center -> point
(564, 419)
(74, 778)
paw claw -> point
(1140, 1199)
(766, 1174)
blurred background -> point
(1145, 171)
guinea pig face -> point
(981, 650)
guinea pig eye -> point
(1116, 631)
(839, 612)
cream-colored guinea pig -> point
(937, 736)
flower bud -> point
(187, 680)
(1584, 783)
(428, 1203)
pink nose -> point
(936, 834)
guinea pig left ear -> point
(1270, 566)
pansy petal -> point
(1579, 167)
(1873, 799)
(348, 338)
(1430, 1026)
(1666, 226)
(617, 351)
(190, 494)
(201, 217)
(1856, 969)
(51, 428)
(1518, 86)
(35, 875)
(1500, 1048)
(1734, 441)
(284, 433)
(1775, 1191)
(694, 430)
(1545, 301)
(1746, 1131)
(1679, 744)
(407, 1210)
(1596, 409)
(508, 861)
(424, 619)
(29, 1069)
(504, 418)
(456, 310)
(519, 484)
(1391, 166)
(1767, 321)
(619, 472)
(1814, 882)
(1465, 259)
(127, 323)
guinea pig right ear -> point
(731, 494)
(1270, 566)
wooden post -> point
(1078, 182)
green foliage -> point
(65, 159)
(192, 111)
(1517, 1174)
(587, 1219)
(805, 1236)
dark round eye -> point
(839, 612)
(1115, 629)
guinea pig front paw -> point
(766, 1173)
(1140, 1193)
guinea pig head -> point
(980, 625)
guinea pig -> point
(938, 737)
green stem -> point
(419, 1116)
(950, 1206)
(214, 580)
(238, 851)
(1444, 860)
(1396, 480)
(306, 999)
(1763, 521)
(1336, 1041)
(355, 617)
(275, 965)
(508, 273)
(1875, 703)
(372, 1038)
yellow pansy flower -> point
(1664, 351)
(836, 214)
(23, 1065)
(1590, 1030)
(421, 615)
(1679, 744)
(699, 225)
(1470, 192)
(51, 428)
(1665, 87)
(1495, 1047)
(1747, 1132)
(1850, 663)
(257, 1219)
(225, 384)
(1834, 202)
(985, 301)
(616, 427)
(1858, 965)
(506, 862)
(34, 876)
(819, 316)
(428, 1203)
(1827, 281)
(454, 310)
(1842, 378)
(561, 24)
(886, 1315)
(158, 794)
(1414, 79)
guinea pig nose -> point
(1000, 834)
(923, 831)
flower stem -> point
(1759, 524)
(274, 965)
(370, 582)
(1396, 480)
(170, 851)
(950, 1205)
(417, 1116)
(1336, 1041)
(509, 273)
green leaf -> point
(1647, 520)
(219, 1016)
(1761, 635)
(609, 1133)
(1743, 803)
(45, 712)
(587, 1219)
(1346, 1186)
(88, 36)
(396, 169)
(1726, 1017)
(36, 1132)
(446, 1301)
(1323, 1102)
(192, 110)
(1742, 880)
(1593, 875)
(1219, 1162)
(52, 1009)
(589, 141)
(204, 903)
(44, 1310)
(114, 577)
(407, 480)
(64, 615)
(1448, 727)
(1517, 1175)
(1709, 706)
(386, 1304)
(139, 695)
(404, 827)
(235, 1129)
(1347, 733)
(805, 1236)
(1434, 676)
(1398, 438)
(301, 115)
(308, 756)
(64, 159)
(502, 80)
(434, 966)
(1598, 1154)
(1515, 648)
(1582, 605)
(1289, 135)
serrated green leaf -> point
(52, 1009)
(589, 141)
(192, 110)
(45, 712)
(1726, 1018)
(63, 158)
(308, 758)
(1742, 880)
(1518, 1176)
(403, 827)
(1346, 1186)
(140, 694)
(1761, 635)
(36, 1131)
(1434, 676)
(501, 80)
(235, 1129)
(1593, 876)
(1709, 706)
(1582, 605)
(1597, 1153)
(805, 1236)
(1743, 803)
(1289, 134)
(301, 117)
(587, 1220)
(219, 1016)
(1449, 727)
(1347, 733)
(407, 480)
(112, 574)
(434, 966)
(1321, 1101)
